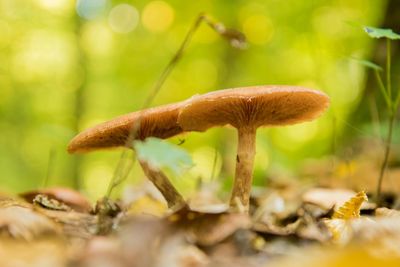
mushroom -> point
(158, 122)
(246, 109)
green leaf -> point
(368, 64)
(161, 154)
(381, 33)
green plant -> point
(391, 100)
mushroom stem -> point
(161, 181)
(244, 169)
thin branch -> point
(236, 38)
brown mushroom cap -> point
(158, 122)
(256, 106)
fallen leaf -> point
(20, 221)
(351, 208)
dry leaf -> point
(385, 212)
(340, 225)
(327, 197)
(209, 228)
(351, 209)
(21, 221)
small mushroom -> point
(158, 122)
(246, 109)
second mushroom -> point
(247, 109)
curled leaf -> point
(381, 33)
(351, 208)
(161, 154)
(368, 64)
(340, 226)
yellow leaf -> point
(351, 208)
(339, 226)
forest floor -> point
(288, 224)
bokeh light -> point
(55, 5)
(203, 74)
(42, 54)
(97, 177)
(123, 18)
(90, 9)
(204, 168)
(258, 29)
(157, 16)
(97, 38)
(73, 64)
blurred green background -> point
(67, 65)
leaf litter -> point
(281, 227)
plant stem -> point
(50, 167)
(240, 197)
(160, 82)
(397, 102)
(167, 189)
(214, 166)
(386, 157)
(79, 102)
(392, 108)
(383, 89)
(117, 173)
(388, 70)
(174, 60)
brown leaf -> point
(20, 221)
(209, 228)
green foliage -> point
(160, 154)
(392, 101)
(369, 64)
(381, 33)
(56, 60)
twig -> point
(236, 38)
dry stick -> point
(161, 181)
(237, 39)
(161, 80)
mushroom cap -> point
(158, 122)
(253, 107)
